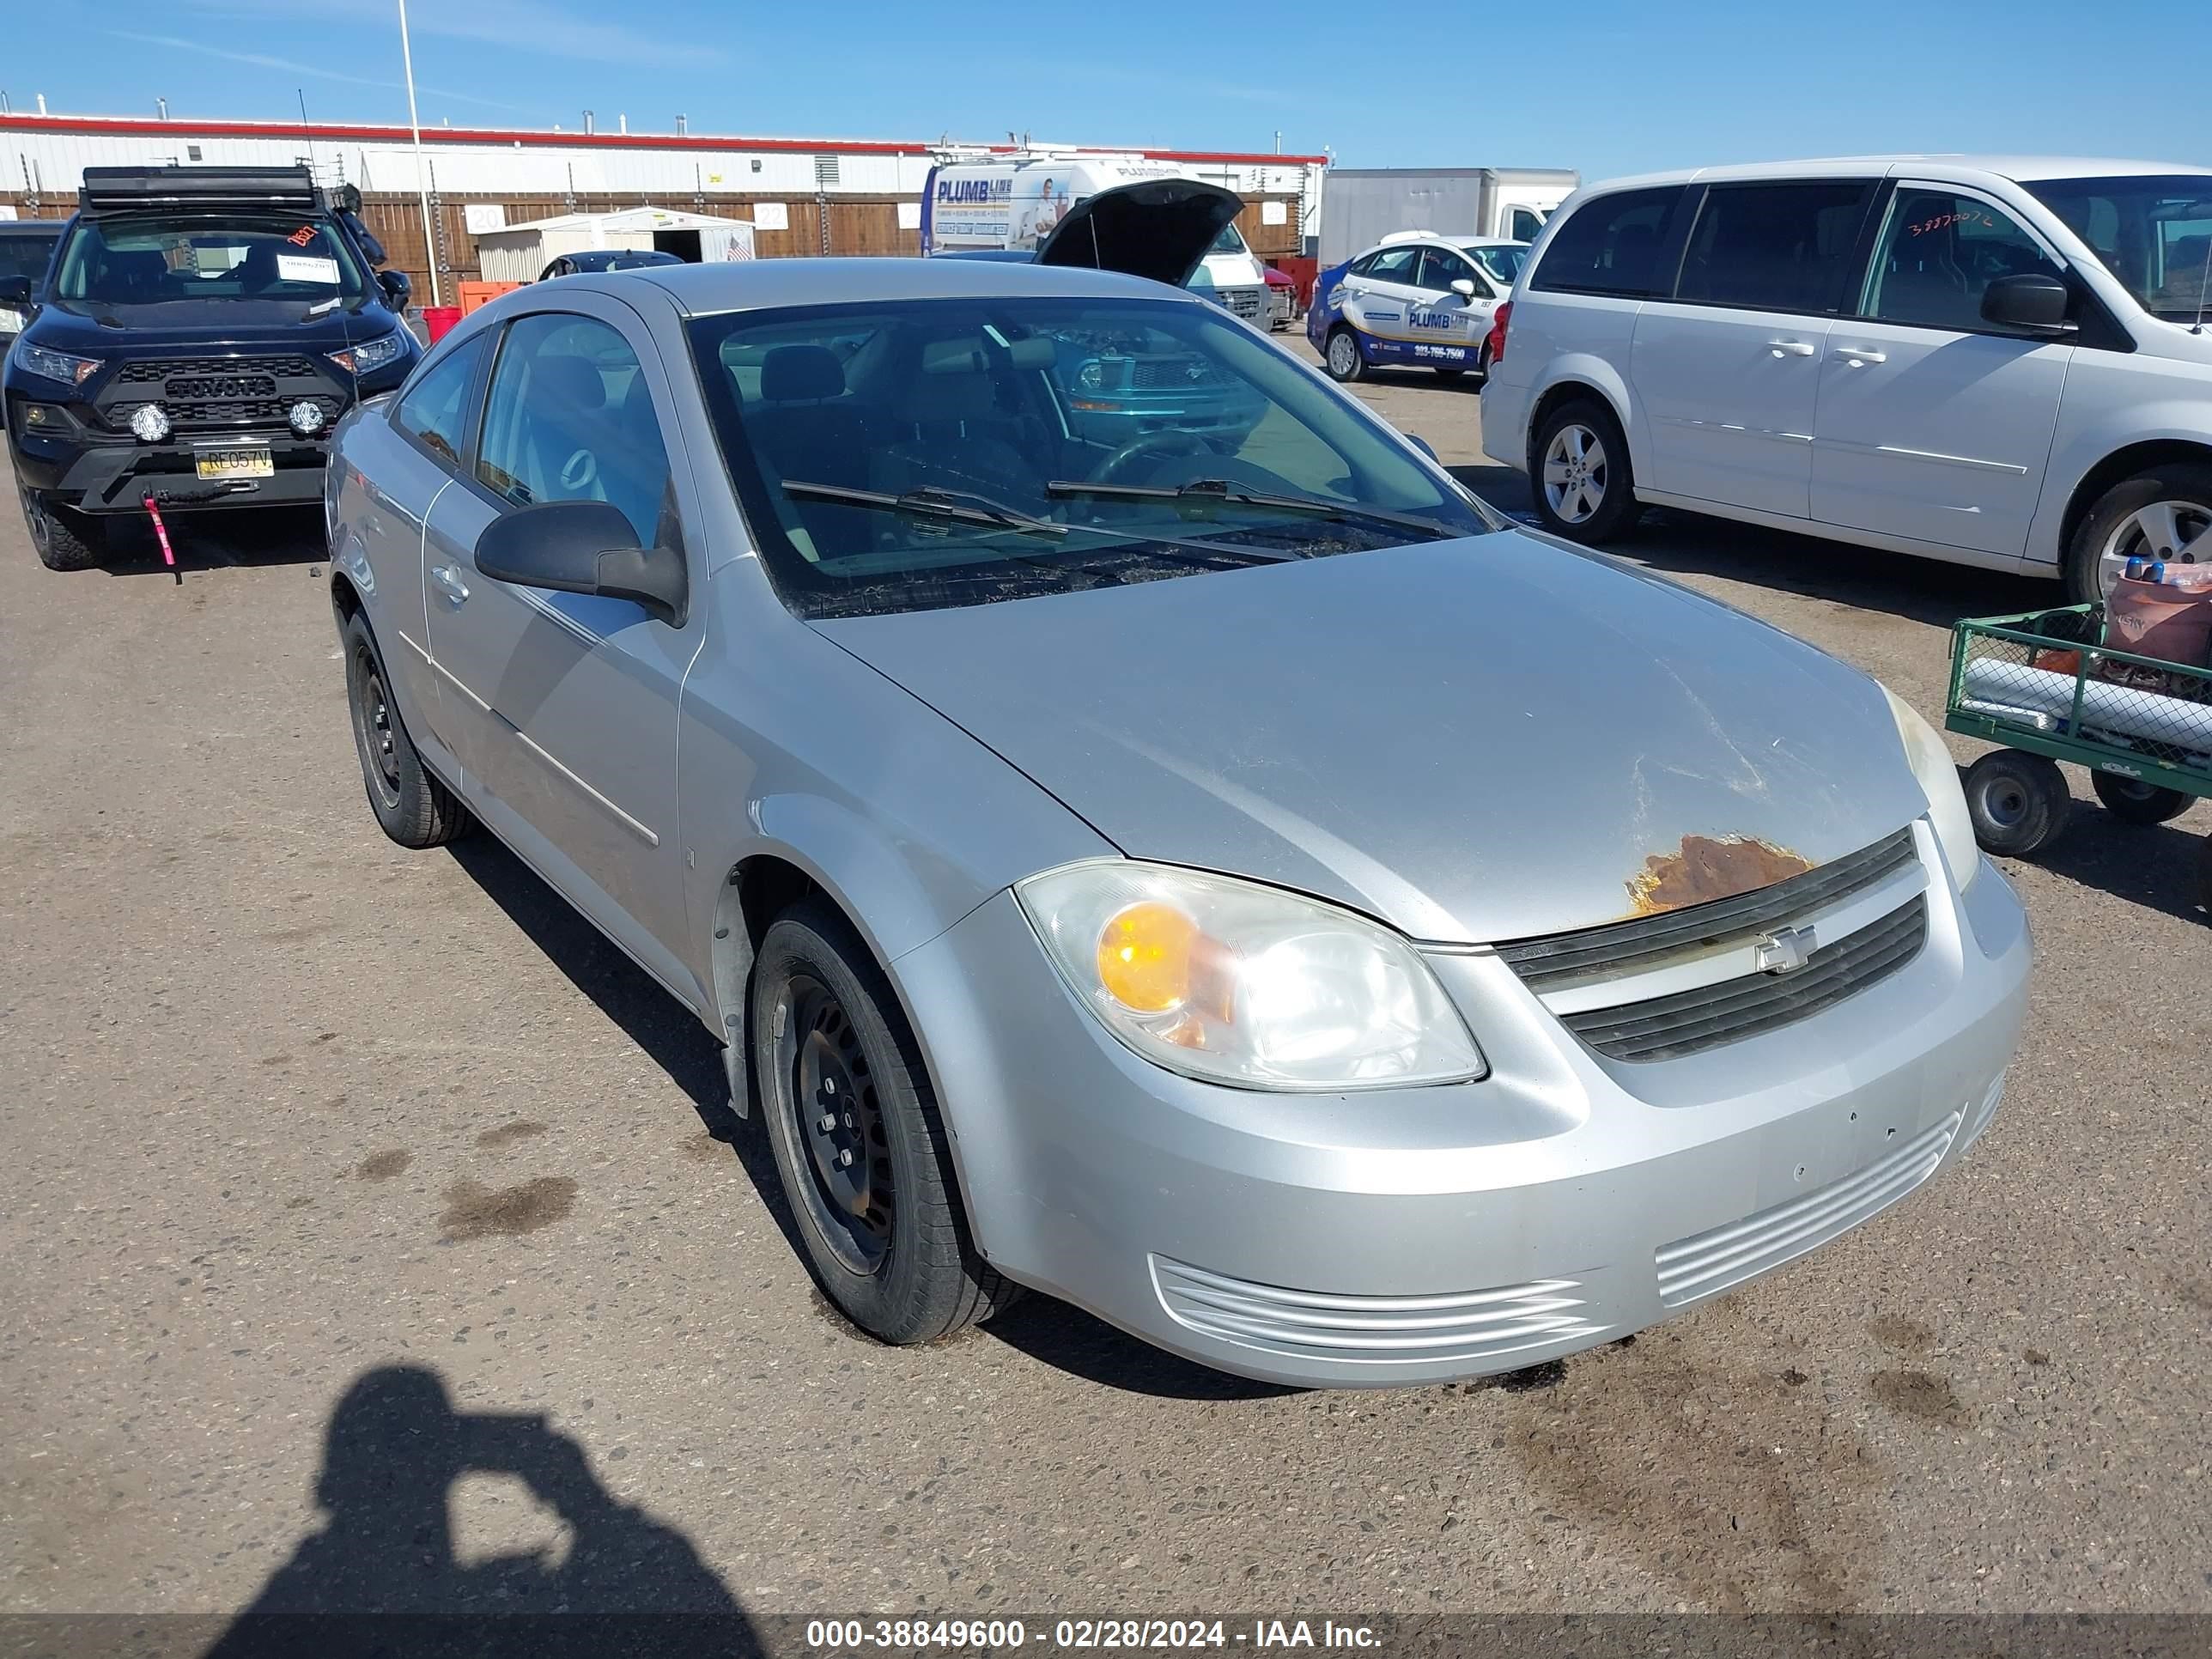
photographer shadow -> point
(383, 1575)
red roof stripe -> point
(135, 126)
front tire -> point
(2163, 514)
(2137, 802)
(2018, 802)
(1342, 356)
(63, 538)
(1583, 486)
(859, 1143)
(411, 806)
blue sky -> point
(1599, 85)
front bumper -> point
(100, 475)
(1424, 1235)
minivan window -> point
(1610, 244)
(1773, 247)
(434, 410)
(1938, 254)
(2152, 233)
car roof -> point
(1400, 238)
(2018, 168)
(748, 284)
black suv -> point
(199, 332)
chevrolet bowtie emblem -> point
(1785, 950)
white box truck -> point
(1361, 205)
(1016, 201)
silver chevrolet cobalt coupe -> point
(1142, 831)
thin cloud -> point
(514, 26)
(262, 60)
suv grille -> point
(208, 394)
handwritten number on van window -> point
(1971, 217)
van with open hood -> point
(198, 333)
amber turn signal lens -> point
(1144, 956)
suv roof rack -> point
(124, 190)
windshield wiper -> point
(959, 506)
(953, 506)
(1220, 489)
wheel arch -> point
(1574, 378)
(2122, 463)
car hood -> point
(205, 324)
(1474, 740)
(1161, 229)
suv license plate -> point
(218, 463)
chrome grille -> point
(1473, 1326)
(1551, 962)
(1664, 1027)
(1712, 1260)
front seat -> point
(566, 442)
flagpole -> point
(421, 187)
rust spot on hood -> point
(1705, 868)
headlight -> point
(1237, 983)
(372, 355)
(56, 365)
(1939, 780)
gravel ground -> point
(290, 1115)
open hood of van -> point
(1160, 229)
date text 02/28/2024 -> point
(830, 1636)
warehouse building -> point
(802, 196)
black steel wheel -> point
(2018, 802)
(411, 806)
(2138, 802)
(860, 1149)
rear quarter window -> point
(1611, 245)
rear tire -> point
(411, 806)
(873, 1193)
(1580, 477)
(65, 538)
(2018, 802)
(2136, 802)
(2140, 515)
(1342, 356)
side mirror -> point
(15, 291)
(399, 288)
(1424, 446)
(1464, 287)
(583, 547)
(2031, 299)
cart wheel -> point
(2136, 801)
(2018, 801)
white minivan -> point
(2004, 362)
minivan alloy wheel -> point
(1575, 474)
(2176, 530)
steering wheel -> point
(580, 471)
(1172, 441)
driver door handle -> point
(448, 579)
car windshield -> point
(2152, 233)
(145, 260)
(1230, 241)
(908, 455)
(24, 254)
(1500, 263)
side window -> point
(1610, 244)
(1395, 264)
(1525, 225)
(1440, 269)
(1362, 265)
(435, 410)
(1774, 248)
(570, 418)
(1938, 254)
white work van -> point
(1015, 203)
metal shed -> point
(518, 253)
